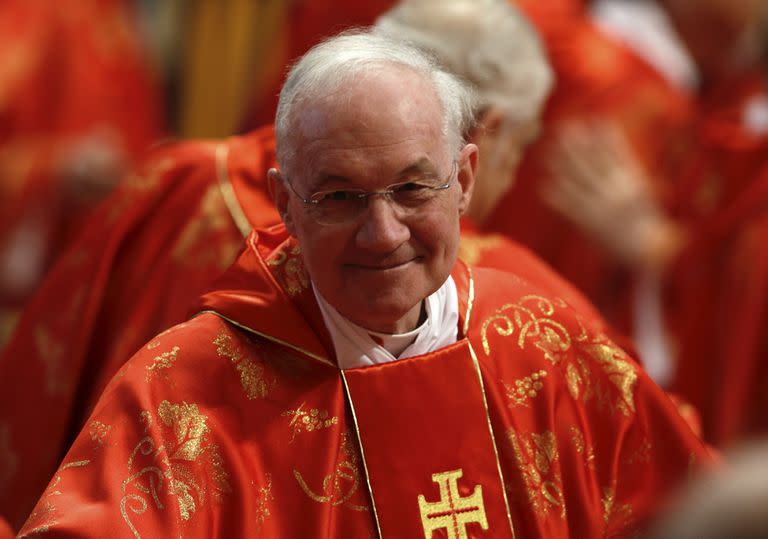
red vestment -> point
(717, 290)
(597, 77)
(64, 74)
(166, 233)
(239, 423)
(144, 256)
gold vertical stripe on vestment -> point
(228, 191)
(493, 438)
(362, 453)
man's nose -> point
(382, 229)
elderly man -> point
(349, 370)
(168, 232)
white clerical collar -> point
(357, 347)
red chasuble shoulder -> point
(144, 256)
(238, 423)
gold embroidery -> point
(9, 461)
(189, 426)
(614, 515)
(163, 361)
(452, 513)
(137, 184)
(573, 380)
(642, 455)
(525, 388)
(536, 456)
(50, 353)
(531, 322)
(531, 319)
(41, 520)
(146, 418)
(288, 268)
(579, 442)
(346, 474)
(620, 371)
(262, 504)
(251, 372)
(308, 421)
(472, 248)
(176, 464)
(212, 218)
(99, 432)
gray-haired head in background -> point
(322, 72)
(487, 42)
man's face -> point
(382, 129)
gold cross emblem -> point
(452, 512)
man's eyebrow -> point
(421, 167)
(322, 181)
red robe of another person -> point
(65, 74)
(239, 423)
(597, 77)
(718, 288)
(146, 254)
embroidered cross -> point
(452, 512)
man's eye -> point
(336, 196)
(411, 187)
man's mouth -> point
(384, 265)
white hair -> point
(330, 65)
(487, 42)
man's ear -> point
(467, 163)
(278, 190)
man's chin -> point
(381, 314)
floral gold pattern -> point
(44, 515)
(50, 352)
(340, 485)
(582, 448)
(537, 458)
(620, 371)
(309, 420)
(212, 217)
(174, 467)
(531, 319)
(288, 268)
(99, 432)
(251, 373)
(263, 499)
(525, 388)
(163, 361)
(615, 516)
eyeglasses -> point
(341, 206)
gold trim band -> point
(270, 337)
(362, 452)
(228, 191)
(493, 437)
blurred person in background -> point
(78, 104)
(703, 246)
(728, 503)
